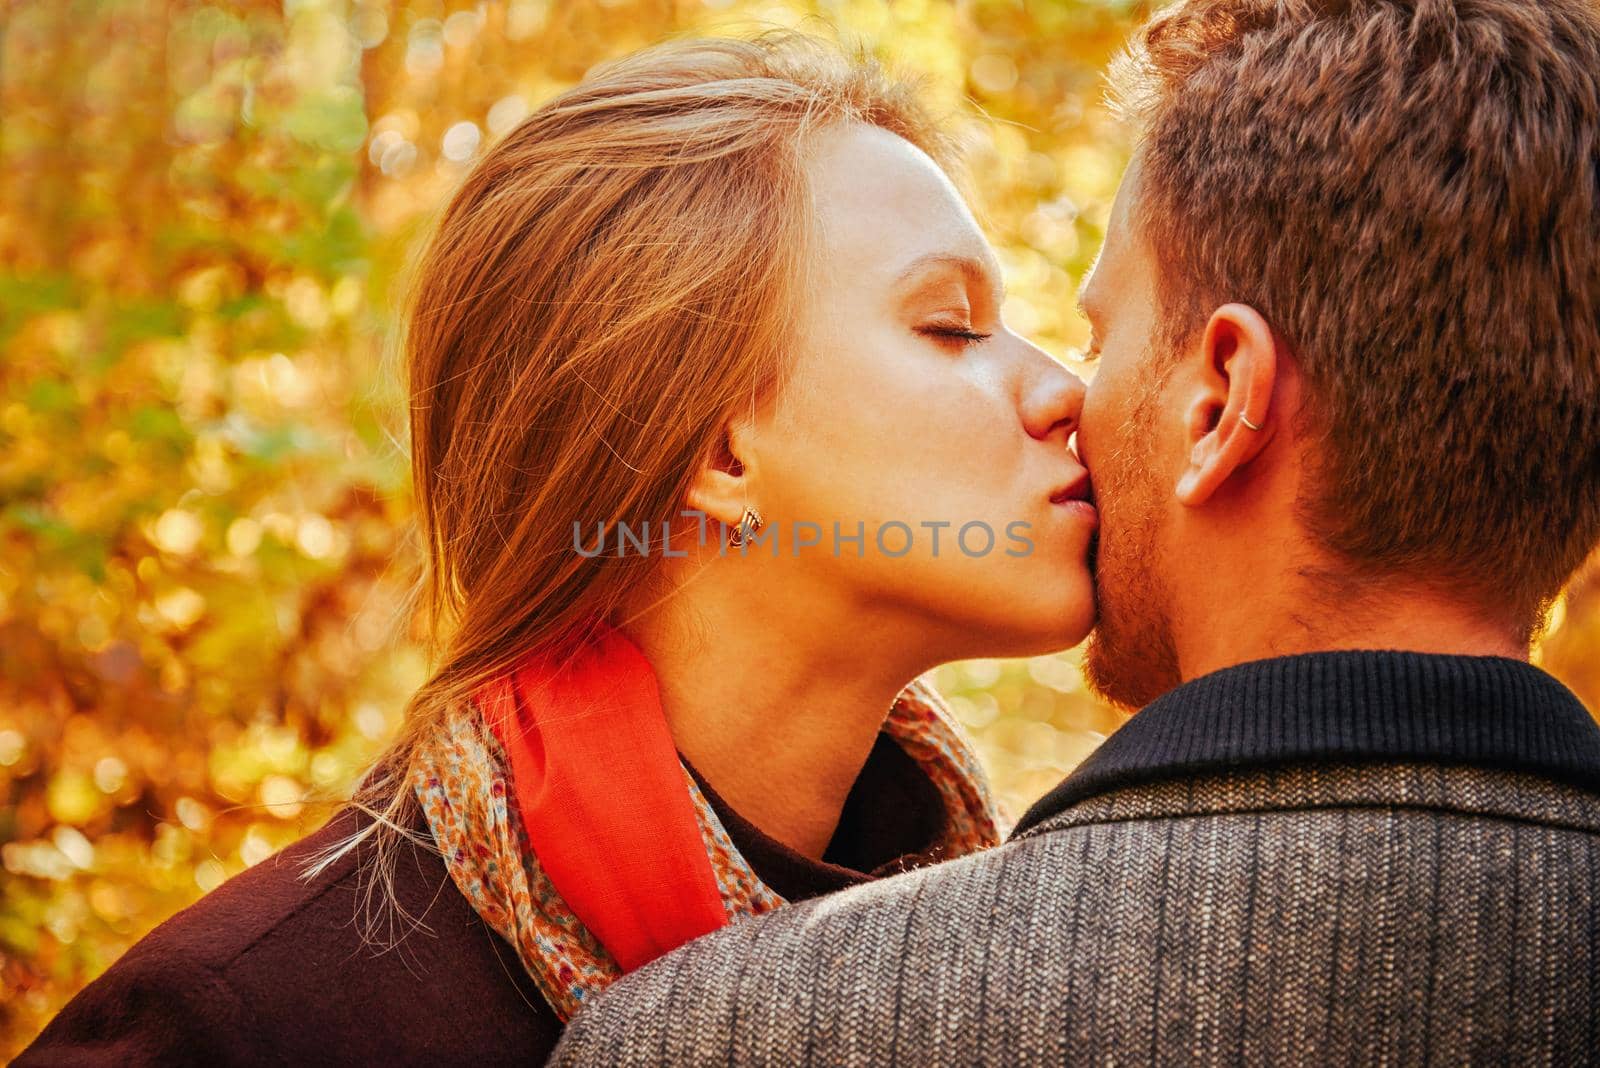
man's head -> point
(1371, 227)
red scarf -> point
(602, 853)
(601, 794)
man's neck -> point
(1281, 624)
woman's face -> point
(914, 418)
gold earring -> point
(749, 523)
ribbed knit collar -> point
(1347, 707)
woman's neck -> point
(779, 712)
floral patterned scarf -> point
(573, 828)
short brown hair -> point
(1409, 192)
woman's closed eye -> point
(953, 334)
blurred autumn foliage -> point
(205, 567)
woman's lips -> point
(1077, 497)
(1076, 490)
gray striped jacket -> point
(1298, 895)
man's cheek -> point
(1094, 434)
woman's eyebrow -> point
(981, 274)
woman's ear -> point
(721, 487)
(1231, 416)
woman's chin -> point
(1063, 636)
(1029, 628)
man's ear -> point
(1232, 396)
(721, 487)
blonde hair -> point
(608, 282)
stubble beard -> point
(1131, 658)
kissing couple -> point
(1340, 454)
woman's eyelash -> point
(957, 333)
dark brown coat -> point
(267, 969)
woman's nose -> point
(1051, 399)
